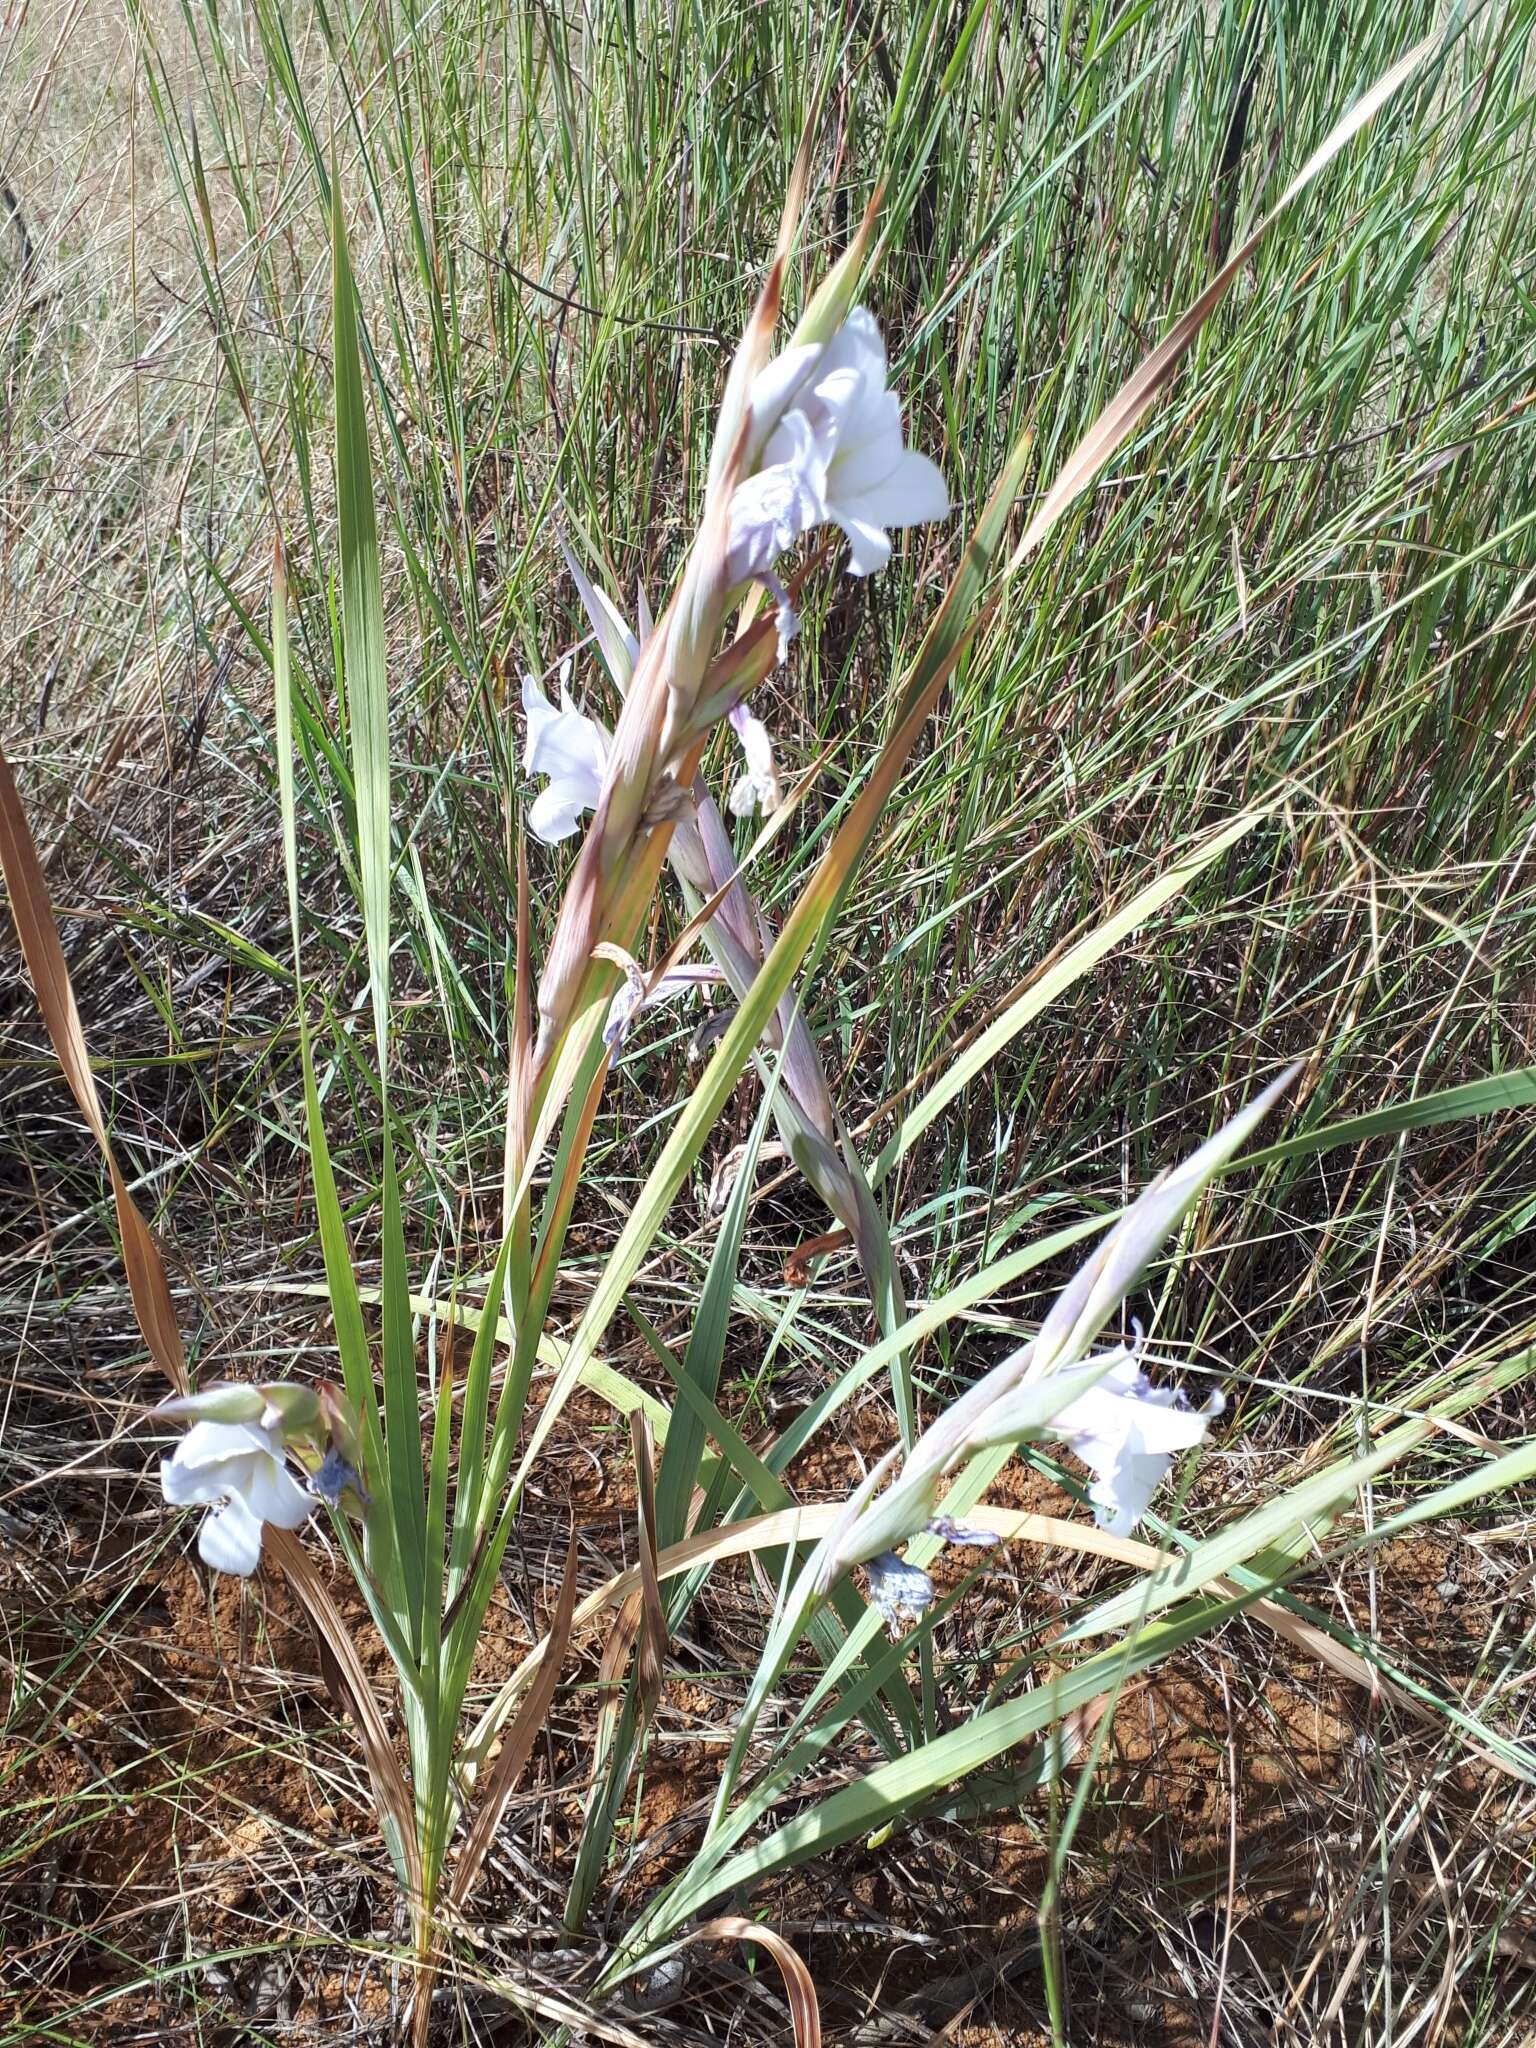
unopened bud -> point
(293, 1411)
(225, 1401)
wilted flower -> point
(571, 749)
(634, 995)
(757, 786)
(1128, 1432)
(334, 1477)
(901, 1591)
(236, 1471)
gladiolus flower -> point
(1128, 1431)
(872, 479)
(837, 454)
(568, 747)
(236, 1471)
(757, 787)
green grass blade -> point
(702, 1359)
(1049, 986)
(1485, 1097)
(365, 670)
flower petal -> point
(230, 1539)
(921, 483)
(185, 1486)
(911, 492)
(539, 715)
(1127, 1432)
(774, 509)
(214, 1443)
(868, 548)
(555, 813)
(276, 1496)
(776, 384)
(870, 450)
(859, 346)
(758, 787)
(1121, 1497)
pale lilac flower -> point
(774, 510)
(568, 747)
(236, 1471)
(775, 389)
(902, 1592)
(757, 786)
(779, 505)
(1128, 1432)
(633, 996)
(835, 455)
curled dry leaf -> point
(804, 2013)
(517, 1745)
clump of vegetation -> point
(1207, 751)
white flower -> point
(632, 996)
(236, 1471)
(1128, 1431)
(757, 787)
(836, 454)
(873, 480)
(568, 747)
(778, 506)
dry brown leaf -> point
(804, 2013)
(38, 930)
(517, 1746)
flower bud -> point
(293, 1411)
(225, 1401)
